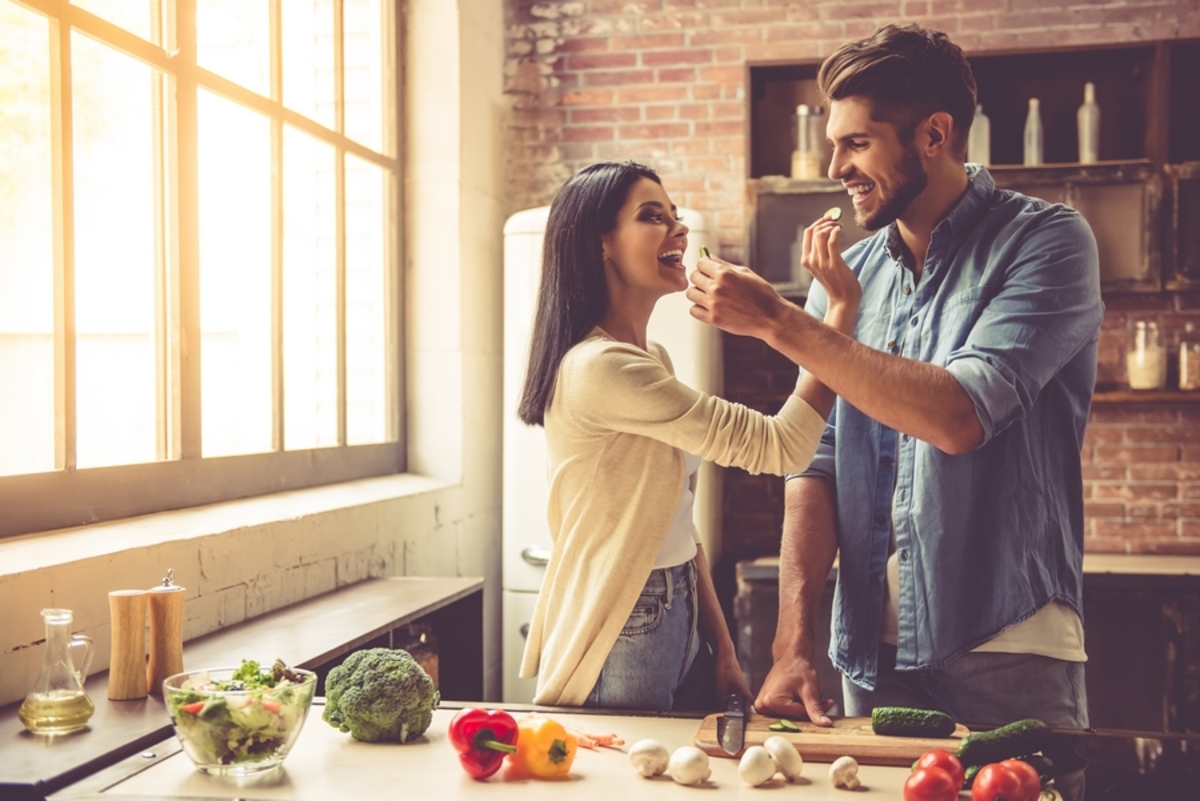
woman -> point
(627, 610)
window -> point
(199, 252)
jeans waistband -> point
(669, 580)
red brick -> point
(870, 11)
(648, 42)
(594, 61)
(611, 114)
(588, 133)
(619, 77)
(946, 8)
(729, 75)
(726, 54)
(664, 58)
(915, 8)
(1190, 530)
(1149, 453)
(1133, 531)
(1107, 509)
(1189, 492)
(691, 147)
(651, 94)
(677, 75)
(1092, 472)
(587, 97)
(684, 5)
(711, 164)
(670, 130)
(579, 151)
(757, 16)
(732, 146)
(694, 111)
(673, 22)
(1161, 434)
(583, 44)
(661, 112)
(798, 50)
(705, 91)
(1133, 412)
(1105, 545)
(974, 23)
(1174, 547)
(747, 36)
(1191, 453)
(1136, 492)
(728, 110)
(811, 31)
(1179, 471)
(1144, 513)
(735, 128)
(1171, 511)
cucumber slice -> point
(834, 213)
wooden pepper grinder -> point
(166, 633)
(127, 662)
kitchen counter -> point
(327, 764)
(313, 634)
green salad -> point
(248, 717)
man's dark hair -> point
(907, 74)
(573, 295)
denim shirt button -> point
(913, 321)
(907, 289)
(892, 346)
(904, 556)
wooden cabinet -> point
(1142, 200)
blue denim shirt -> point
(1009, 303)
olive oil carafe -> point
(58, 703)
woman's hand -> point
(729, 677)
(822, 256)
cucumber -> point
(1016, 739)
(901, 721)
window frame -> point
(182, 477)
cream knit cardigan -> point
(616, 430)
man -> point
(949, 478)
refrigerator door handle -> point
(538, 557)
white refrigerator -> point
(695, 350)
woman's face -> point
(644, 252)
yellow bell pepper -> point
(545, 749)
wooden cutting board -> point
(848, 737)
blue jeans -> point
(654, 660)
(987, 690)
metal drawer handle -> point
(537, 557)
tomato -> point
(1031, 782)
(941, 758)
(995, 782)
(930, 784)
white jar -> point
(1146, 361)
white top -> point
(679, 546)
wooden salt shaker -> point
(127, 662)
(166, 633)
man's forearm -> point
(922, 400)
(805, 559)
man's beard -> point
(911, 181)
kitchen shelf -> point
(1147, 396)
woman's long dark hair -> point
(572, 295)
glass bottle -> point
(1033, 134)
(1189, 358)
(979, 140)
(1087, 120)
(808, 159)
(58, 703)
(1146, 361)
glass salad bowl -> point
(239, 721)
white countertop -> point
(327, 764)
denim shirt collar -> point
(962, 218)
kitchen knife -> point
(731, 728)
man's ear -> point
(938, 129)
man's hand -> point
(822, 256)
(792, 690)
(733, 298)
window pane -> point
(235, 278)
(308, 75)
(233, 39)
(132, 15)
(113, 134)
(26, 245)
(366, 310)
(362, 25)
(309, 292)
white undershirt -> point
(1055, 630)
(679, 546)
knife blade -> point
(731, 728)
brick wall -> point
(664, 81)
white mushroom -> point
(689, 765)
(844, 773)
(757, 766)
(649, 757)
(786, 756)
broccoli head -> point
(380, 694)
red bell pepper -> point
(482, 739)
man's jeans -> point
(987, 690)
(651, 658)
